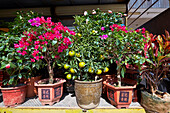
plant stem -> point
(51, 73)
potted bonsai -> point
(155, 69)
(46, 41)
(85, 61)
(123, 47)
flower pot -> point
(121, 97)
(88, 93)
(31, 89)
(50, 93)
(13, 96)
(153, 104)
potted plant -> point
(155, 69)
(46, 41)
(12, 63)
(16, 67)
(123, 47)
(85, 61)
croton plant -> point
(157, 54)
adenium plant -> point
(157, 54)
(45, 41)
(124, 47)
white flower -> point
(93, 12)
(87, 21)
(85, 13)
(109, 11)
(124, 14)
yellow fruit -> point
(66, 66)
(72, 70)
(93, 31)
(81, 64)
(102, 57)
(71, 53)
(106, 69)
(78, 54)
(99, 71)
(91, 70)
(68, 76)
(79, 34)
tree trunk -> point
(51, 73)
(119, 77)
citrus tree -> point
(86, 57)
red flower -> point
(8, 66)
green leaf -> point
(19, 76)
(44, 49)
(12, 65)
(122, 72)
(54, 42)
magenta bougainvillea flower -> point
(45, 40)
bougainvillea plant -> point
(124, 47)
(45, 41)
(157, 54)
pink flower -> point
(37, 57)
(23, 53)
(102, 28)
(137, 30)
(57, 56)
(67, 41)
(19, 51)
(16, 45)
(36, 42)
(93, 12)
(32, 60)
(41, 37)
(8, 66)
(41, 57)
(37, 46)
(72, 33)
(104, 36)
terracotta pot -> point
(153, 104)
(88, 93)
(50, 93)
(106, 78)
(13, 96)
(121, 97)
(31, 89)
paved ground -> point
(67, 101)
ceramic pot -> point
(31, 89)
(13, 96)
(50, 93)
(153, 104)
(88, 93)
(121, 97)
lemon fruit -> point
(77, 54)
(72, 70)
(91, 70)
(68, 76)
(79, 34)
(71, 53)
(99, 71)
(106, 69)
(81, 64)
(66, 66)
